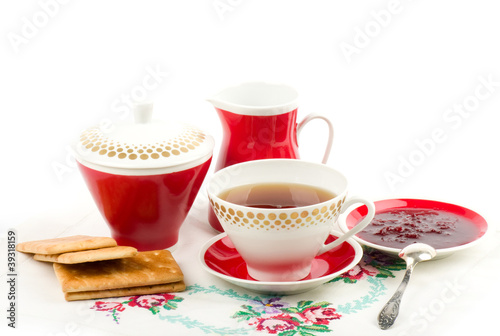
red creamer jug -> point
(259, 121)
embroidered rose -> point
(150, 301)
(320, 315)
(154, 303)
(358, 272)
(274, 324)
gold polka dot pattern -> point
(95, 141)
(278, 220)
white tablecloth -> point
(445, 297)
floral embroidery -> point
(359, 273)
(153, 302)
(271, 306)
(373, 264)
(113, 308)
(279, 318)
(274, 324)
(384, 263)
(265, 314)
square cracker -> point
(105, 253)
(143, 269)
(178, 286)
(65, 244)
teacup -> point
(279, 244)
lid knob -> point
(143, 113)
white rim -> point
(281, 98)
(145, 171)
(214, 187)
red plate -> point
(350, 219)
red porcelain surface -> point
(250, 137)
(223, 258)
(145, 212)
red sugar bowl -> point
(144, 176)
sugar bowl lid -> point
(144, 144)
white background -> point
(389, 75)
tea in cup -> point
(278, 213)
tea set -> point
(145, 175)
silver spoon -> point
(412, 254)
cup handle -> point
(312, 116)
(360, 226)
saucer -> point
(348, 219)
(219, 257)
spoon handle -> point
(390, 312)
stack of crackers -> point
(95, 267)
